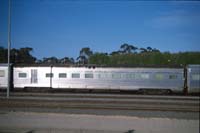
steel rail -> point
(93, 95)
(112, 103)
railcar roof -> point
(4, 64)
(98, 66)
(194, 65)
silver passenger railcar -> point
(57, 77)
(193, 78)
(99, 78)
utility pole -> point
(9, 29)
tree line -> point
(127, 55)
(24, 56)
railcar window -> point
(62, 75)
(48, 75)
(195, 76)
(22, 75)
(130, 75)
(173, 76)
(116, 75)
(137, 76)
(159, 76)
(88, 75)
(104, 75)
(75, 75)
(123, 76)
(2, 73)
(145, 76)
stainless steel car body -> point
(3, 76)
(118, 78)
(97, 78)
(193, 78)
(31, 77)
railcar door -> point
(34, 76)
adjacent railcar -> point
(3, 76)
(193, 78)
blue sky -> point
(61, 28)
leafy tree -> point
(84, 54)
(116, 52)
(122, 57)
(155, 50)
(149, 49)
(3, 55)
(22, 55)
(82, 59)
(50, 60)
(66, 60)
(127, 49)
(14, 56)
(143, 50)
(99, 59)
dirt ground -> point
(80, 123)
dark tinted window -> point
(195, 76)
(88, 75)
(2, 73)
(75, 75)
(62, 75)
(159, 76)
(173, 76)
(22, 75)
(49, 75)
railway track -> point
(100, 101)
